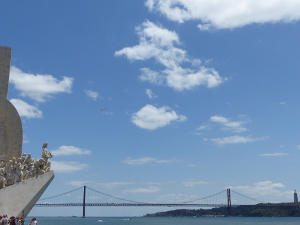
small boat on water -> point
(99, 220)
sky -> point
(158, 100)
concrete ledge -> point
(23, 196)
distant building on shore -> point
(295, 197)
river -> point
(168, 221)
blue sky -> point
(200, 96)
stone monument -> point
(295, 197)
(22, 180)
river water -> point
(168, 221)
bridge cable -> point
(253, 199)
(202, 198)
(60, 194)
(117, 197)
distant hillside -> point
(260, 210)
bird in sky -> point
(103, 109)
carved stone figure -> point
(2, 178)
(46, 155)
(25, 172)
(29, 161)
(39, 166)
(21, 168)
(19, 172)
(31, 172)
(10, 173)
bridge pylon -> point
(83, 203)
(229, 202)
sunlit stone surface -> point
(22, 180)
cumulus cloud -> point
(143, 190)
(113, 184)
(234, 126)
(78, 183)
(264, 188)
(274, 154)
(149, 117)
(236, 139)
(203, 127)
(70, 150)
(92, 94)
(162, 45)
(150, 94)
(145, 160)
(151, 76)
(39, 87)
(67, 167)
(26, 110)
(220, 14)
(175, 198)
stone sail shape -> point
(5, 57)
(11, 134)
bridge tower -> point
(229, 202)
(83, 205)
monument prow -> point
(22, 180)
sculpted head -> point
(45, 145)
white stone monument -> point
(22, 180)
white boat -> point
(99, 220)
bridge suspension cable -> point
(253, 199)
(56, 196)
(115, 196)
(92, 197)
(200, 199)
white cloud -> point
(175, 198)
(113, 184)
(220, 14)
(149, 117)
(143, 190)
(203, 127)
(274, 154)
(26, 110)
(92, 94)
(181, 78)
(265, 188)
(237, 139)
(150, 94)
(159, 43)
(70, 150)
(38, 87)
(67, 167)
(78, 183)
(234, 126)
(145, 160)
(25, 139)
(193, 183)
(151, 76)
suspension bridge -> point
(86, 196)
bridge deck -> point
(130, 204)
